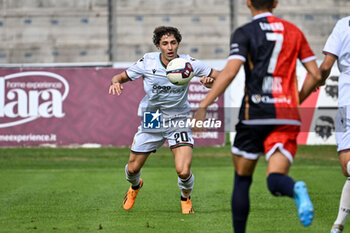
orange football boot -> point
(130, 197)
(186, 206)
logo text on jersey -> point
(166, 89)
(270, 100)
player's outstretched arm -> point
(312, 80)
(222, 81)
(116, 86)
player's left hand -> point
(115, 88)
(207, 81)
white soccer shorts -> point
(148, 141)
(342, 128)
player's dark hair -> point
(163, 30)
(262, 4)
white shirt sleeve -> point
(136, 70)
(333, 44)
(200, 68)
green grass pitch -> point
(81, 190)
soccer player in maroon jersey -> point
(269, 120)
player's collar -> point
(161, 62)
(160, 59)
(262, 15)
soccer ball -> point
(179, 71)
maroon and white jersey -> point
(161, 94)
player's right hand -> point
(199, 115)
(115, 88)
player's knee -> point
(183, 173)
(272, 184)
(132, 169)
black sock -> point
(240, 202)
(280, 185)
(136, 187)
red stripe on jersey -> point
(126, 73)
(328, 53)
(290, 44)
(211, 72)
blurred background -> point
(60, 31)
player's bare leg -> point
(133, 175)
(183, 160)
(344, 205)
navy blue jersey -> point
(270, 47)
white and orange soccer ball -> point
(179, 71)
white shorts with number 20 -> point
(146, 141)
